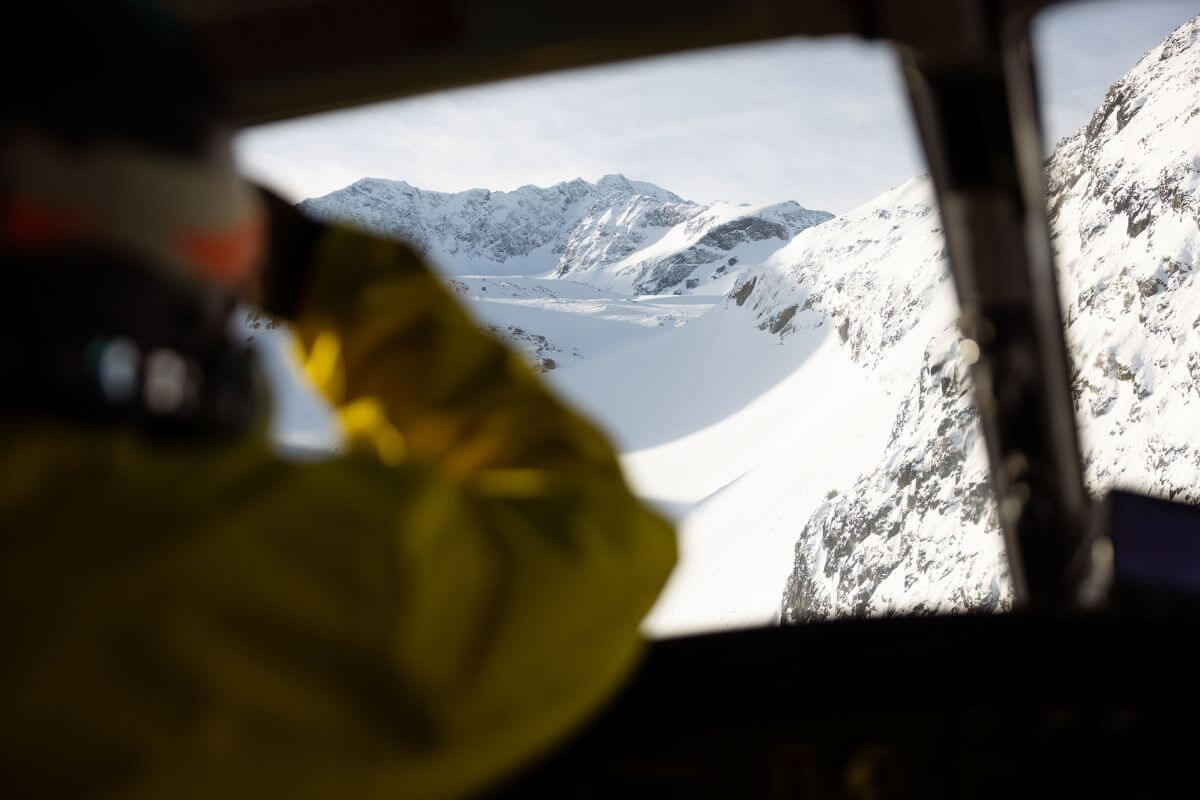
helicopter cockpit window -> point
(732, 261)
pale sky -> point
(822, 122)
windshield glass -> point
(732, 262)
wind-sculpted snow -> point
(918, 533)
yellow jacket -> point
(409, 620)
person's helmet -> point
(126, 236)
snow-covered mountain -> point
(916, 529)
(673, 248)
(862, 310)
(1125, 199)
(615, 234)
(577, 269)
(791, 392)
(919, 532)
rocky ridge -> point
(616, 234)
(919, 532)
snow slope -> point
(752, 424)
(728, 433)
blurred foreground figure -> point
(185, 614)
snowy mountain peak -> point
(619, 183)
(618, 234)
(1160, 71)
(380, 184)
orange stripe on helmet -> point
(26, 222)
(227, 256)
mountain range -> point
(616, 234)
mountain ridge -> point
(1124, 198)
(605, 231)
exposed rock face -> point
(710, 236)
(1126, 194)
(869, 273)
(472, 226)
(919, 532)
